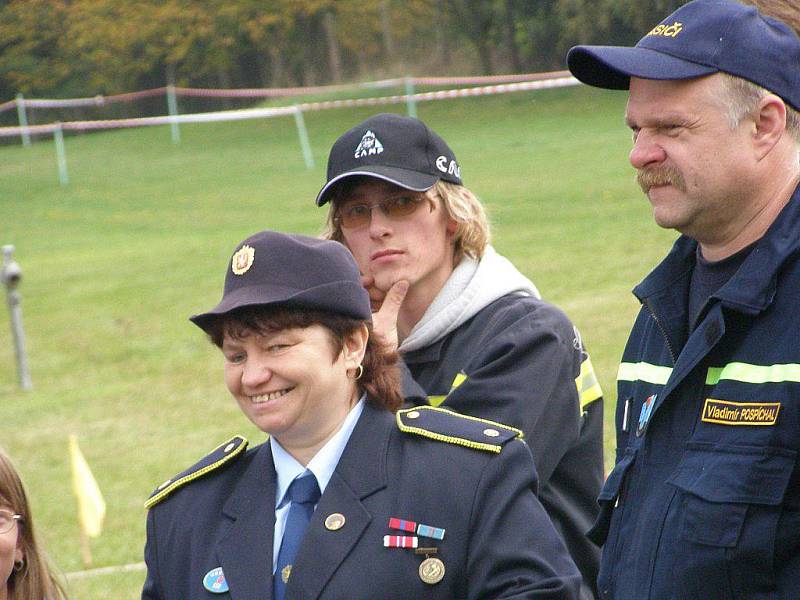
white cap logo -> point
(450, 167)
(368, 145)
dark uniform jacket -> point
(498, 540)
(704, 501)
(521, 362)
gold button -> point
(229, 447)
(165, 484)
(413, 414)
(491, 432)
(334, 522)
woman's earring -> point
(360, 372)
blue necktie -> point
(303, 493)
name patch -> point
(724, 412)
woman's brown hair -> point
(381, 376)
(33, 579)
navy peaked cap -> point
(701, 38)
(272, 268)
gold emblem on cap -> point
(431, 571)
(242, 260)
(491, 432)
(413, 414)
(285, 572)
(334, 522)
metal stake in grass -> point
(23, 120)
(11, 275)
(411, 103)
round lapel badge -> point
(286, 572)
(215, 581)
(431, 571)
(243, 260)
(334, 522)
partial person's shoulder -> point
(224, 454)
(450, 427)
(516, 308)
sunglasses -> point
(354, 216)
(7, 520)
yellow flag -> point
(91, 506)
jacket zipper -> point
(662, 330)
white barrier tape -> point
(133, 567)
(256, 113)
(260, 92)
(229, 115)
(441, 94)
(98, 100)
(489, 79)
(65, 103)
(101, 100)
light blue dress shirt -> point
(322, 466)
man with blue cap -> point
(704, 500)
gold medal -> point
(431, 571)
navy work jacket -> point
(704, 500)
(520, 361)
(498, 541)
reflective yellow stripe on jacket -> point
(587, 384)
(735, 371)
(457, 381)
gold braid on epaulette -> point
(152, 501)
(452, 439)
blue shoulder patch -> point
(221, 455)
(454, 428)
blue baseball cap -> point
(701, 38)
(281, 269)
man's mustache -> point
(652, 176)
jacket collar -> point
(360, 473)
(752, 288)
(245, 551)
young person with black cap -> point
(347, 499)
(704, 501)
(473, 332)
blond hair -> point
(34, 579)
(473, 232)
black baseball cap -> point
(272, 268)
(701, 38)
(401, 150)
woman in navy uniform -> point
(350, 497)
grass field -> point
(115, 262)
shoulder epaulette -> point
(454, 428)
(221, 455)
